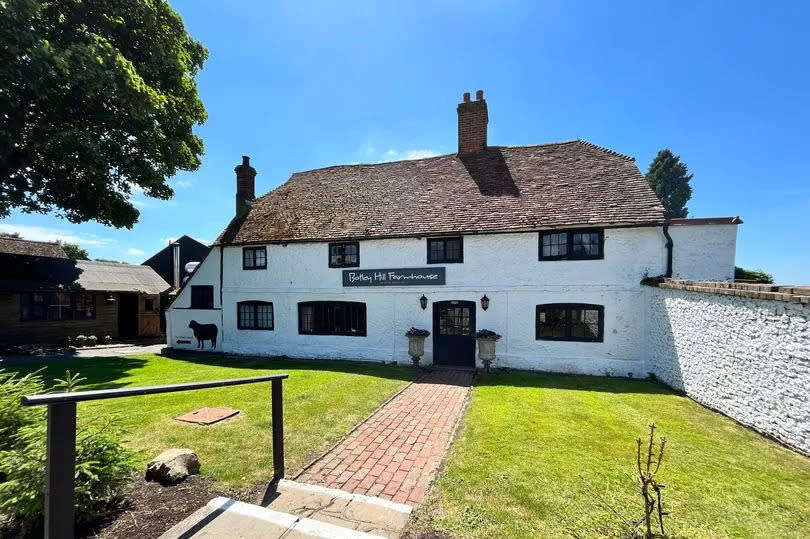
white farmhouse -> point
(546, 245)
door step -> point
(296, 510)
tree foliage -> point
(15, 235)
(75, 252)
(97, 99)
(669, 178)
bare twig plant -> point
(651, 523)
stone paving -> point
(396, 453)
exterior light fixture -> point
(423, 302)
(110, 298)
(484, 302)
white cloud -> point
(139, 203)
(420, 154)
(42, 233)
(184, 184)
(135, 252)
(393, 154)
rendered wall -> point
(747, 358)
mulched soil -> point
(149, 509)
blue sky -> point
(300, 85)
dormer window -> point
(254, 258)
(345, 254)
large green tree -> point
(72, 250)
(97, 99)
(669, 178)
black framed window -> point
(202, 296)
(578, 244)
(445, 250)
(332, 318)
(582, 322)
(57, 306)
(254, 258)
(149, 304)
(344, 254)
(254, 315)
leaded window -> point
(254, 315)
(574, 244)
(445, 250)
(344, 255)
(254, 258)
(332, 318)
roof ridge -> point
(607, 150)
(57, 242)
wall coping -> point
(787, 293)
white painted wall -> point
(704, 251)
(180, 314)
(747, 358)
(504, 266)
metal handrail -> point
(61, 439)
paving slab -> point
(224, 518)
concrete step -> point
(296, 510)
(352, 511)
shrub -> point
(416, 332)
(753, 275)
(103, 466)
(92, 340)
(487, 334)
(80, 340)
(107, 339)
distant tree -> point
(108, 260)
(10, 235)
(753, 275)
(669, 178)
(75, 252)
(97, 99)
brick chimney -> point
(472, 123)
(245, 186)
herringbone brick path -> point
(395, 454)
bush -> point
(107, 339)
(103, 466)
(753, 275)
(92, 340)
(80, 341)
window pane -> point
(59, 306)
(86, 306)
(452, 250)
(350, 251)
(437, 250)
(585, 243)
(248, 258)
(260, 257)
(585, 323)
(264, 316)
(245, 315)
(307, 318)
(336, 255)
(551, 323)
(555, 244)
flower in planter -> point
(92, 340)
(487, 334)
(415, 332)
(80, 340)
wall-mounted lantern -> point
(109, 298)
(484, 302)
(423, 302)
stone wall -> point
(732, 351)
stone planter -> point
(416, 348)
(486, 352)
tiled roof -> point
(114, 277)
(15, 246)
(499, 189)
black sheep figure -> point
(204, 332)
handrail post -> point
(277, 420)
(60, 467)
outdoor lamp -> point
(423, 302)
(484, 302)
(110, 298)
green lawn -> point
(322, 401)
(514, 471)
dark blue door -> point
(454, 333)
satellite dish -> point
(191, 266)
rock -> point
(172, 466)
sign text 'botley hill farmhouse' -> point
(339, 262)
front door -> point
(127, 315)
(454, 333)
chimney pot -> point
(472, 124)
(245, 160)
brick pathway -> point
(395, 454)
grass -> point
(515, 469)
(322, 401)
